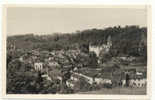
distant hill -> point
(128, 40)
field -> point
(120, 91)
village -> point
(75, 71)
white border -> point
(77, 96)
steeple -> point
(109, 42)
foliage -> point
(70, 51)
(126, 40)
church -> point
(104, 47)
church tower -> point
(109, 42)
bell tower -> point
(109, 42)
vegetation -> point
(126, 41)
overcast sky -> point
(51, 20)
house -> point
(95, 49)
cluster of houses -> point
(73, 60)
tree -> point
(93, 60)
(104, 56)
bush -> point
(82, 85)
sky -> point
(25, 20)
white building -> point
(104, 47)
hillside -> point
(128, 40)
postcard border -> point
(77, 96)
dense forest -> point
(128, 40)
